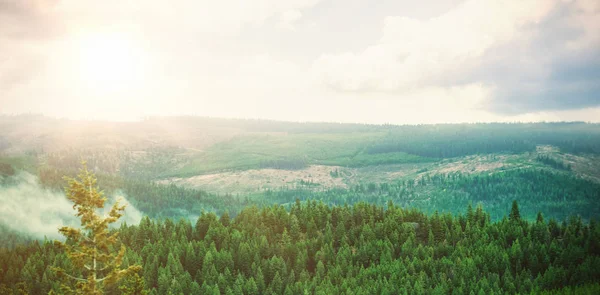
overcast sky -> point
(304, 60)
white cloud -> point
(414, 53)
(288, 19)
(514, 47)
(180, 16)
(228, 58)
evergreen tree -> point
(90, 248)
(515, 215)
(134, 285)
(540, 218)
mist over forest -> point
(328, 147)
(38, 212)
(260, 203)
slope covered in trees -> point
(187, 146)
(411, 229)
(557, 194)
(549, 187)
(360, 249)
(154, 199)
(446, 141)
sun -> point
(104, 73)
(108, 63)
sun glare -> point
(109, 63)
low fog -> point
(29, 208)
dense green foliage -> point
(556, 164)
(90, 247)
(146, 164)
(445, 141)
(358, 145)
(266, 144)
(186, 146)
(557, 194)
(363, 249)
(278, 151)
(10, 165)
(155, 200)
(11, 238)
(411, 231)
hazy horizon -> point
(299, 147)
(441, 61)
(141, 119)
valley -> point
(240, 206)
(240, 162)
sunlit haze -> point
(303, 60)
(299, 147)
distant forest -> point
(446, 141)
(556, 194)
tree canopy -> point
(319, 249)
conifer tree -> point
(91, 247)
(134, 285)
(540, 218)
(515, 215)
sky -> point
(385, 61)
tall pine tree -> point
(515, 215)
(91, 247)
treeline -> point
(313, 248)
(11, 165)
(12, 238)
(557, 194)
(554, 163)
(154, 199)
(446, 141)
(145, 164)
(259, 125)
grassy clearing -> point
(256, 180)
(363, 159)
(258, 151)
(334, 160)
(343, 172)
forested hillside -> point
(155, 200)
(444, 141)
(263, 207)
(558, 195)
(222, 165)
(360, 249)
(299, 147)
(187, 146)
